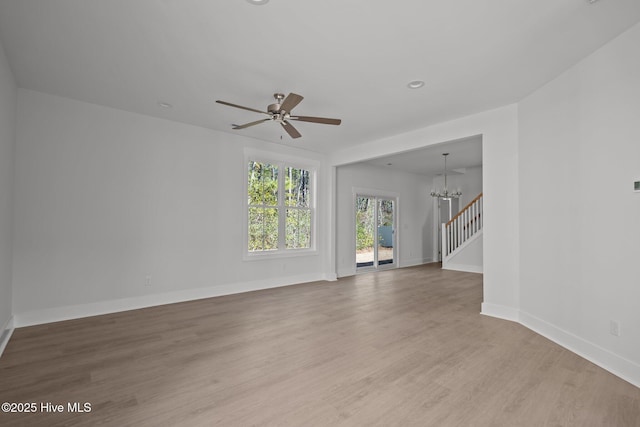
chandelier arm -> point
(445, 193)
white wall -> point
(8, 95)
(105, 197)
(415, 213)
(579, 229)
(469, 259)
(499, 130)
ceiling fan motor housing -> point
(273, 108)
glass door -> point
(365, 232)
(375, 232)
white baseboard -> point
(5, 334)
(462, 267)
(416, 261)
(345, 272)
(330, 277)
(57, 314)
(617, 365)
(500, 311)
(351, 271)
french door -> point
(375, 232)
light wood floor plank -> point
(403, 347)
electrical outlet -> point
(147, 281)
(614, 328)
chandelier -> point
(445, 194)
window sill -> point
(291, 253)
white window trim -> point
(281, 161)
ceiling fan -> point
(280, 112)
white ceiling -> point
(463, 154)
(350, 59)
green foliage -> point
(296, 188)
(364, 224)
(265, 207)
(365, 221)
(263, 184)
(263, 229)
(364, 238)
(298, 229)
(262, 195)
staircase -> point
(462, 239)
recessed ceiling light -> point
(592, 1)
(258, 2)
(415, 84)
(165, 105)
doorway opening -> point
(447, 208)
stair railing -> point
(462, 226)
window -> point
(298, 206)
(280, 207)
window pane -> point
(262, 183)
(296, 186)
(365, 211)
(385, 212)
(263, 229)
(298, 229)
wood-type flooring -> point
(403, 347)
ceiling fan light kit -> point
(280, 112)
